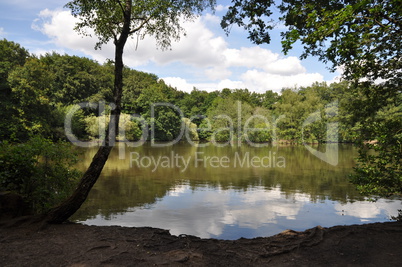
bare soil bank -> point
(29, 244)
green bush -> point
(379, 166)
(260, 134)
(190, 130)
(39, 170)
(204, 130)
(131, 128)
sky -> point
(206, 58)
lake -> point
(228, 192)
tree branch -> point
(141, 25)
(396, 22)
(121, 5)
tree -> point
(269, 98)
(30, 90)
(76, 79)
(166, 121)
(291, 105)
(228, 117)
(12, 55)
(135, 83)
(39, 170)
(360, 36)
(379, 173)
(363, 39)
(116, 21)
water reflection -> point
(229, 202)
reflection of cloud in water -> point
(186, 212)
(262, 207)
(365, 210)
(177, 190)
(211, 212)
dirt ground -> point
(24, 243)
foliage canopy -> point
(363, 39)
(39, 170)
(160, 19)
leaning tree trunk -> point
(66, 209)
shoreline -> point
(70, 244)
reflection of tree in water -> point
(122, 188)
(116, 193)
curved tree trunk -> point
(66, 209)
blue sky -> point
(206, 59)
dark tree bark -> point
(66, 209)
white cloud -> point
(180, 83)
(211, 18)
(262, 81)
(249, 57)
(207, 55)
(218, 73)
(185, 86)
(59, 26)
(2, 33)
(257, 57)
(286, 66)
(253, 80)
(220, 8)
(200, 48)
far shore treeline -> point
(37, 92)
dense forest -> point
(37, 92)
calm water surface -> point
(227, 192)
